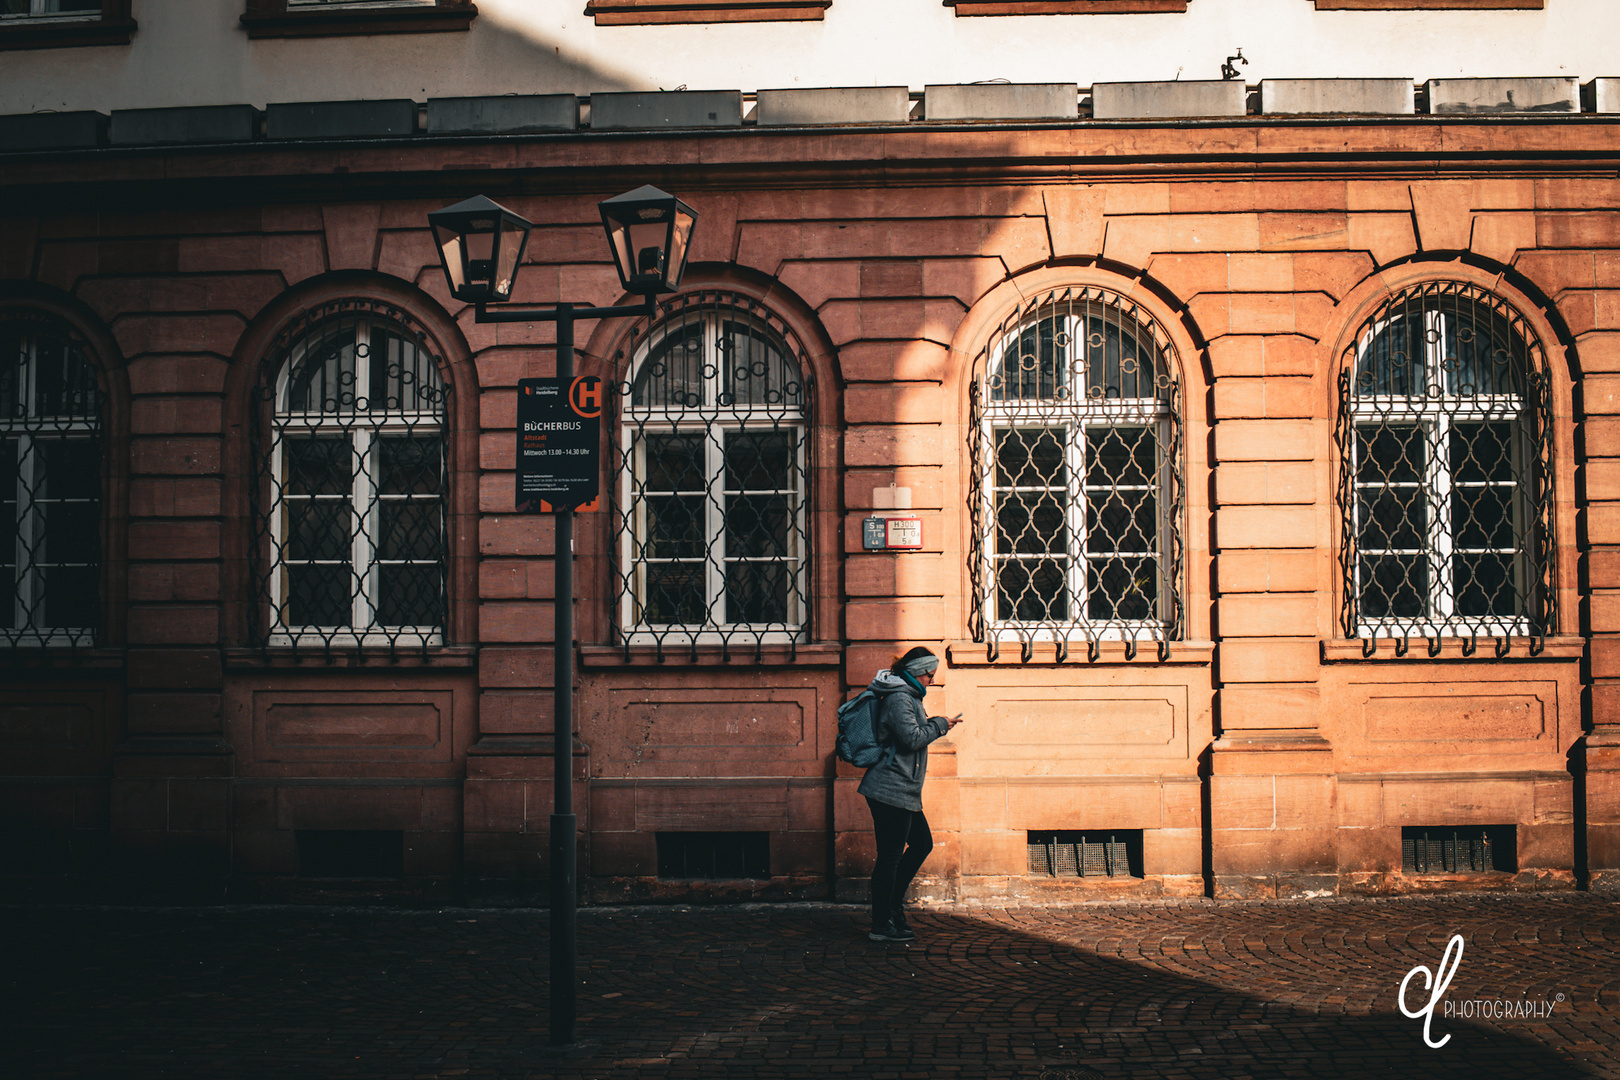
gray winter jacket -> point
(905, 730)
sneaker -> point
(889, 932)
(897, 919)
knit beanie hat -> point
(918, 662)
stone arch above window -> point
(1445, 455)
(1077, 483)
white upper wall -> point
(194, 52)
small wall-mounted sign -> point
(891, 533)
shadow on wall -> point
(720, 993)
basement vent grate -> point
(714, 855)
(1102, 853)
(1458, 849)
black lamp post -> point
(480, 244)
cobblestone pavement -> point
(1161, 990)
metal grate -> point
(350, 853)
(1116, 853)
(1445, 471)
(1076, 451)
(713, 464)
(50, 486)
(350, 486)
(1477, 849)
(714, 855)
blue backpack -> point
(858, 731)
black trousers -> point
(903, 842)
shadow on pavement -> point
(793, 991)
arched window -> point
(1445, 478)
(712, 502)
(351, 486)
(51, 469)
(1076, 468)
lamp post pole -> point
(481, 247)
(564, 898)
(563, 845)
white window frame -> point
(1082, 414)
(31, 476)
(1432, 415)
(362, 500)
(713, 421)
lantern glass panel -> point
(452, 256)
(508, 252)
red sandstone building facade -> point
(1259, 472)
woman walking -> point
(893, 787)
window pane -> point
(1390, 453)
(1122, 521)
(1393, 518)
(674, 594)
(13, 355)
(674, 527)
(318, 466)
(1484, 585)
(318, 529)
(72, 596)
(1394, 586)
(1482, 354)
(72, 468)
(1032, 522)
(1031, 457)
(71, 533)
(761, 461)
(1482, 517)
(1121, 456)
(403, 377)
(755, 371)
(1036, 590)
(409, 466)
(319, 595)
(672, 374)
(1034, 365)
(1122, 589)
(323, 371)
(1482, 451)
(409, 529)
(409, 595)
(1392, 363)
(757, 592)
(759, 526)
(675, 463)
(1121, 362)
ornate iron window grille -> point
(712, 494)
(51, 468)
(351, 483)
(1077, 491)
(1445, 472)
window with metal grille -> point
(1077, 482)
(1445, 477)
(351, 482)
(1111, 853)
(1458, 849)
(715, 855)
(712, 502)
(50, 505)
